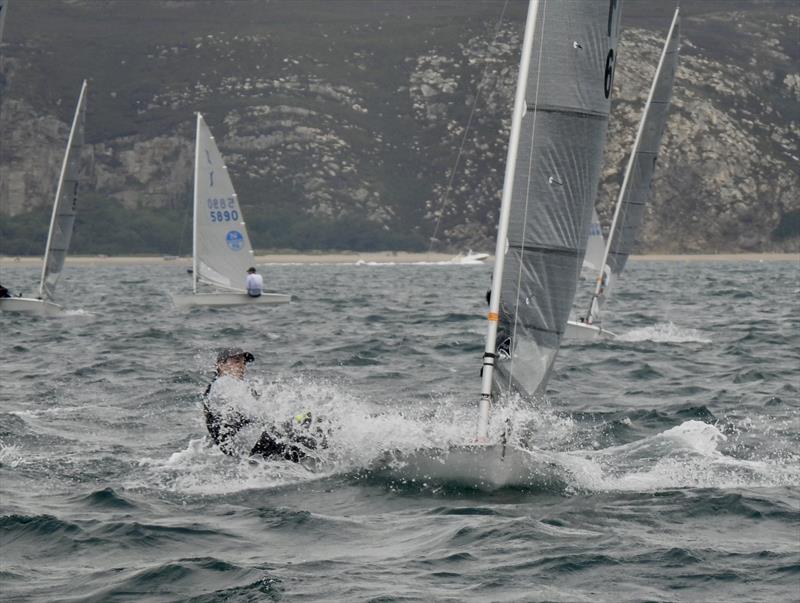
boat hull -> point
(228, 299)
(480, 466)
(29, 305)
(585, 332)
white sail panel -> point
(555, 183)
(596, 245)
(222, 246)
(65, 207)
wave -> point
(665, 333)
(365, 440)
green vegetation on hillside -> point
(105, 226)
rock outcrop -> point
(395, 113)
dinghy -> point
(555, 153)
(221, 252)
(635, 189)
(62, 222)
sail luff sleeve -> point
(557, 176)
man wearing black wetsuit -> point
(290, 441)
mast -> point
(489, 354)
(195, 201)
(623, 191)
(76, 120)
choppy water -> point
(679, 444)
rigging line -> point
(528, 188)
(466, 133)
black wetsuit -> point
(290, 440)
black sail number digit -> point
(609, 77)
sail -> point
(222, 251)
(66, 204)
(3, 10)
(596, 246)
(556, 175)
(639, 175)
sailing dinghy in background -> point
(62, 223)
(3, 10)
(555, 153)
(221, 252)
(635, 189)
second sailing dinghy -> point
(555, 152)
(221, 251)
(62, 222)
(635, 189)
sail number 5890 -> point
(223, 210)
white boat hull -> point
(586, 332)
(228, 299)
(480, 466)
(29, 305)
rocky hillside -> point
(342, 120)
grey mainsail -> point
(556, 174)
(66, 204)
(635, 190)
(222, 250)
(3, 10)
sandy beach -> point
(373, 257)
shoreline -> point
(400, 257)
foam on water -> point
(359, 433)
(667, 332)
(684, 456)
(77, 312)
(10, 455)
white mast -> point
(64, 165)
(194, 202)
(600, 286)
(502, 227)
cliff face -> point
(363, 111)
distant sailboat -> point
(221, 251)
(3, 11)
(635, 189)
(471, 257)
(61, 224)
(555, 152)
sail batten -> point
(553, 185)
(65, 206)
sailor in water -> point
(237, 432)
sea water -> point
(676, 444)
